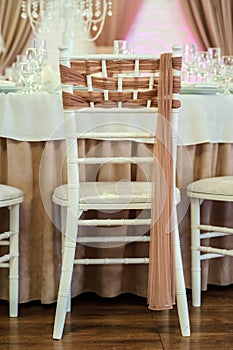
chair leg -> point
(66, 274)
(63, 230)
(181, 297)
(14, 262)
(195, 253)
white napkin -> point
(201, 84)
(207, 84)
(49, 79)
(7, 83)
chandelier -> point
(48, 15)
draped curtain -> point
(211, 22)
(16, 32)
(118, 25)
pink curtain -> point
(211, 22)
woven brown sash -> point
(76, 75)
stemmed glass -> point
(24, 74)
(227, 72)
(215, 64)
(19, 59)
(215, 55)
(32, 59)
(203, 65)
(189, 59)
(31, 54)
(40, 47)
(120, 46)
(40, 44)
(42, 58)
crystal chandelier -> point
(56, 14)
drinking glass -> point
(42, 58)
(215, 55)
(120, 46)
(227, 69)
(37, 61)
(189, 59)
(39, 44)
(215, 64)
(203, 65)
(19, 59)
(24, 73)
(31, 54)
(28, 75)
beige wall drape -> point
(16, 32)
(118, 25)
(211, 22)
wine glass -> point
(203, 65)
(31, 54)
(215, 55)
(189, 59)
(39, 44)
(215, 64)
(42, 58)
(227, 71)
(24, 73)
(120, 46)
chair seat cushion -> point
(9, 192)
(222, 185)
(111, 192)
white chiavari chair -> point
(205, 243)
(10, 198)
(118, 85)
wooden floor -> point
(120, 323)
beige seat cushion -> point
(111, 192)
(98, 192)
(222, 185)
(9, 192)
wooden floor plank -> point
(122, 323)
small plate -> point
(199, 90)
(6, 89)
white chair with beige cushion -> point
(205, 244)
(99, 88)
(10, 198)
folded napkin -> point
(6, 83)
(49, 79)
(207, 84)
(201, 84)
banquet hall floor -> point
(121, 323)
